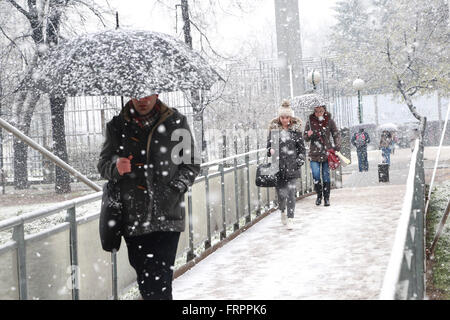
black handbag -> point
(263, 176)
(110, 222)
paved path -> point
(339, 252)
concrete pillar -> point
(375, 102)
(287, 19)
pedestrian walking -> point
(385, 146)
(360, 140)
(323, 135)
(291, 156)
(137, 157)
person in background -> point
(385, 146)
(291, 155)
(323, 135)
(137, 155)
(360, 140)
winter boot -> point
(283, 217)
(290, 223)
(318, 189)
(326, 194)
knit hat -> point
(285, 109)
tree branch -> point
(20, 9)
(14, 44)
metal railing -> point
(208, 216)
(405, 277)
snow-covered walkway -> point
(336, 252)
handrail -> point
(219, 161)
(41, 213)
(404, 277)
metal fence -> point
(66, 261)
(405, 275)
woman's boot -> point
(318, 189)
(326, 194)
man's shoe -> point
(326, 202)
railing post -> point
(208, 213)
(223, 234)
(248, 218)
(224, 146)
(71, 218)
(115, 287)
(258, 210)
(19, 238)
(190, 254)
(236, 187)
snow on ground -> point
(339, 252)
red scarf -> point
(148, 120)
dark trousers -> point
(363, 163)
(153, 256)
(286, 190)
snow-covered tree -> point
(395, 46)
(28, 28)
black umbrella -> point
(123, 62)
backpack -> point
(360, 139)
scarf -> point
(149, 120)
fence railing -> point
(405, 277)
(66, 261)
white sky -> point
(234, 32)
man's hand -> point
(310, 132)
(124, 165)
(272, 151)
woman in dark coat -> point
(291, 155)
(137, 158)
(319, 130)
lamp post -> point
(358, 85)
(314, 78)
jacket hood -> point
(296, 124)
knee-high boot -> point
(318, 189)
(326, 194)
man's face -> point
(319, 111)
(144, 105)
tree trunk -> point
(20, 165)
(62, 177)
(23, 122)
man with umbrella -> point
(140, 157)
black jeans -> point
(363, 163)
(153, 256)
(286, 190)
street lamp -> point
(314, 78)
(358, 85)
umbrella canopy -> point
(388, 127)
(123, 62)
(307, 102)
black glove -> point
(178, 186)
